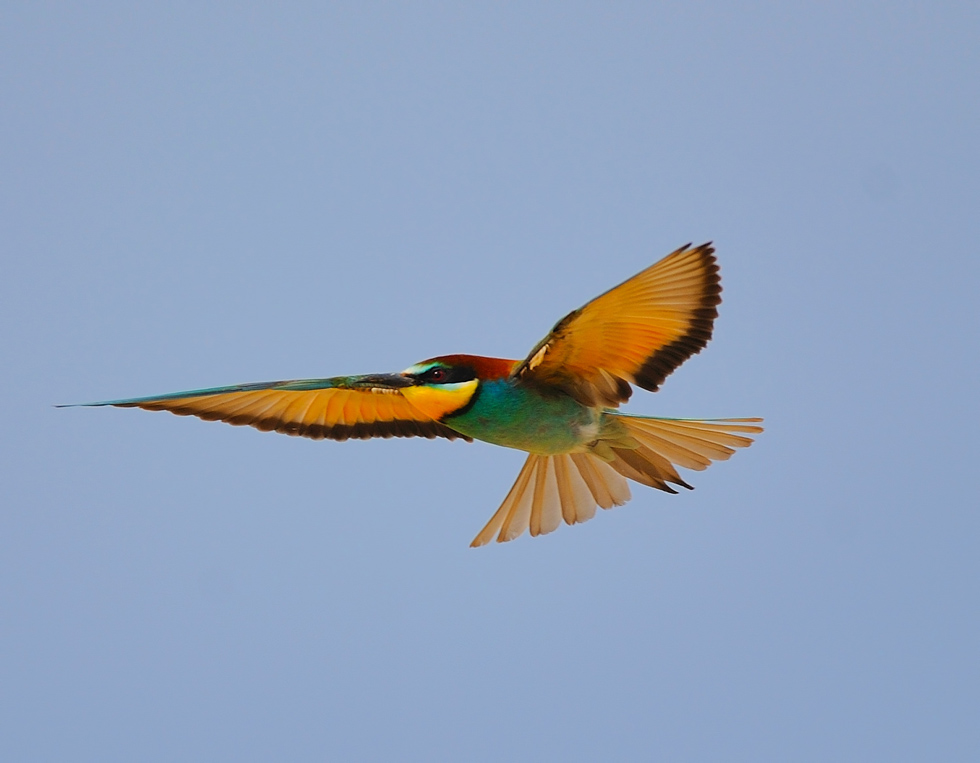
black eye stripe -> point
(447, 375)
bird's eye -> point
(437, 374)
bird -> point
(559, 405)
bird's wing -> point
(636, 333)
(340, 408)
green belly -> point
(517, 417)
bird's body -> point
(558, 405)
(505, 412)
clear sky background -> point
(195, 195)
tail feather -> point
(549, 489)
(577, 502)
(546, 506)
(570, 486)
(646, 467)
(607, 488)
(507, 508)
(688, 443)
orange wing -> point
(341, 408)
(636, 333)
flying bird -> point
(558, 404)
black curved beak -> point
(386, 381)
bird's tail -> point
(569, 486)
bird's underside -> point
(634, 334)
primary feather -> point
(636, 333)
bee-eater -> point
(558, 404)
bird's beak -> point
(386, 381)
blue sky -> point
(196, 195)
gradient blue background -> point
(195, 195)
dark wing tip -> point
(361, 431)
(665, 360)
(339, 432)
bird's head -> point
(448, 384)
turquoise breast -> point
(518, 417)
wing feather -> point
(636, 333)
(339, 408)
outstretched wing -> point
(340, 408)
(636, 333)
